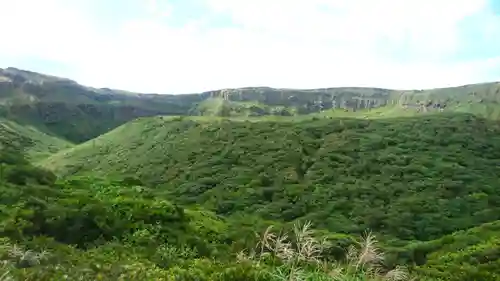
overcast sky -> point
(181, 46)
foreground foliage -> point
(96, 229)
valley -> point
(104, 184)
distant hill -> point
(74, 112)
(34, 143)
(77, 113)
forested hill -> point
(409, 178)
(76, 113)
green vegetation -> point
(345, 175)
(414, 181)
(255, 184)
(472, 254)
(90, 229)
(221, 107)
(85, 228)
(36, 144)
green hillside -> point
(345, 175)
(93, 229)
(36, 144)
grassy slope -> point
(36, 144)
(346, 175)
(221, 107)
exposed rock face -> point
(309, 100)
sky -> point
(187, 46)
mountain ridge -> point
(68, 110)
(15, 70)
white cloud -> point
(45, 29)
(422, 27)
(281, 43)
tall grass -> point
(299, 257)
(5, 272)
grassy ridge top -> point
(345, 175)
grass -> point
(300, 256)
